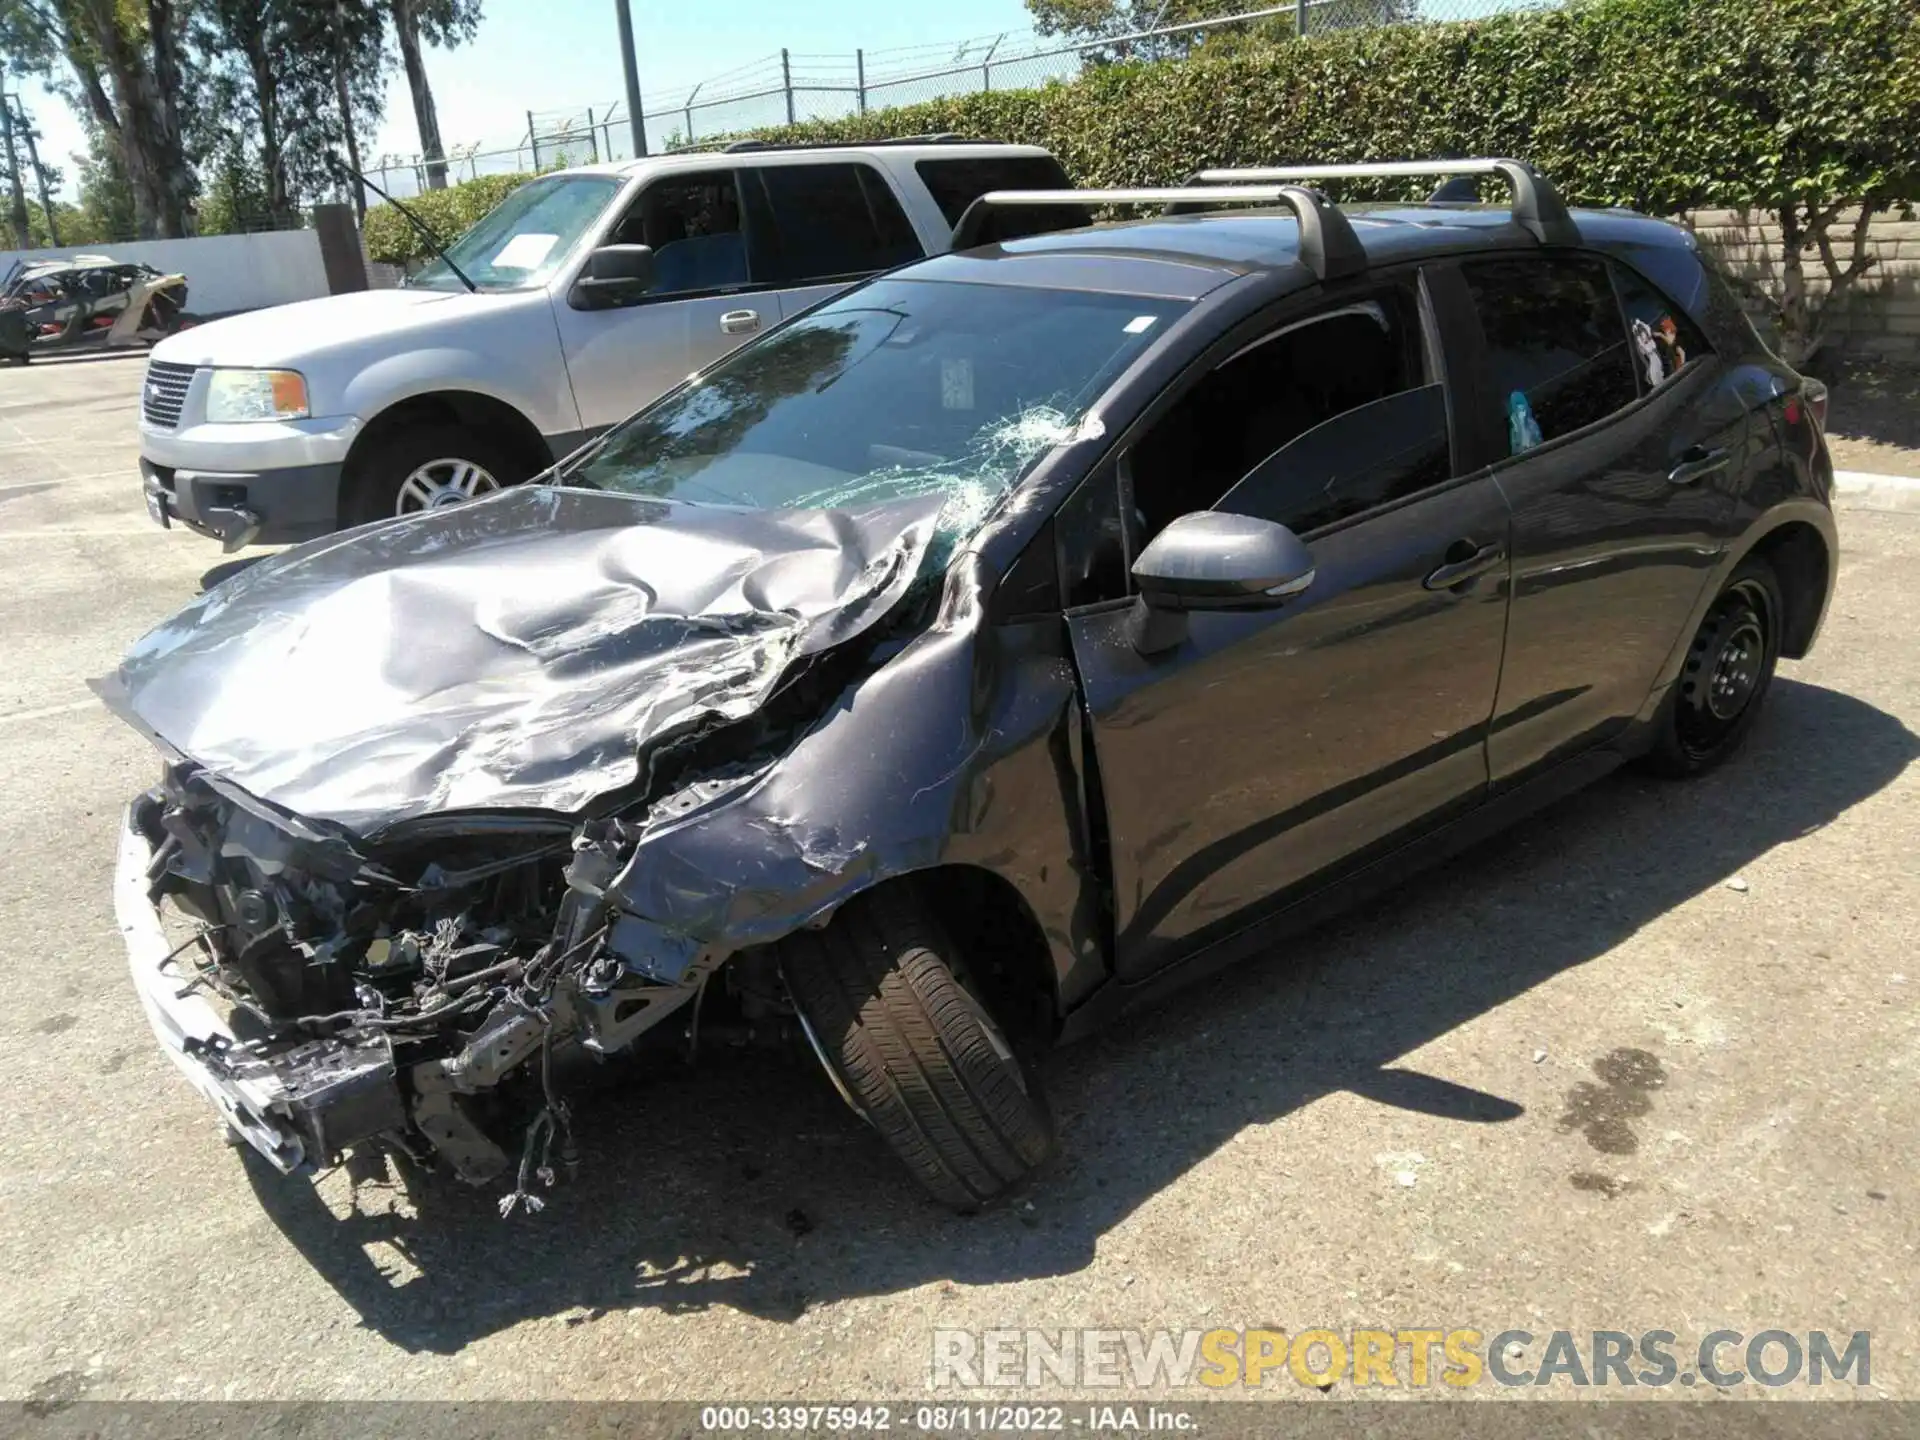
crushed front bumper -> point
(249, 1097)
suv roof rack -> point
(1328, 246)
(944, 137)
(1537, 206)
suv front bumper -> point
(264, 483)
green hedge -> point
(392, 241)
(1660, 105)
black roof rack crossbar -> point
(1537, 206)
(1328, 246)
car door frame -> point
(1493, 450)
(560, 287)
(1445, 357)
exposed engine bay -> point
(416, 999)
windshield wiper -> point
(426, 234)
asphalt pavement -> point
(1650, 1061)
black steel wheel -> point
(1725, 677)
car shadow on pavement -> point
(748, 1184)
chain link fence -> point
(795, 85)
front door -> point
(1616, 451)
(1268, 749)
(705, 300)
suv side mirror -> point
(1213, 561)
(614, 274)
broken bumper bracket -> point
(191, 1031)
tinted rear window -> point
(1555, 342)
(957, 183)
(834, 220)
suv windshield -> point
(898, 388)
(522, 239)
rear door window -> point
(1556, 345)
(833, 221)
(957, 183)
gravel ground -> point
(1648, 1061)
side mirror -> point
(614, 274)
(1214, 561)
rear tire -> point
(1723, 682)
(914, 1051)
(417, 469)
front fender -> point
(959, 750)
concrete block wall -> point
(224, 273)
(1880, 315)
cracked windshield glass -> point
(901, 388)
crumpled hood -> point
(518, 652)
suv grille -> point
(165, 392)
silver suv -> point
(580, 297)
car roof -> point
(1185, 256)
(720, 158)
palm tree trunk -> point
(406, 26)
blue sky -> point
(553, 55)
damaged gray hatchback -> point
(999, 643)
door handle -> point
(1470, 567)
(740, 322)
(1697, 461)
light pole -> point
(623, 9)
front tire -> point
(914, 1051)
(1724, 680)
(427, 467)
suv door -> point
(699, 308)
(1271, 746)
(1614, 448)
(829, 224)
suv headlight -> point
(256, 395)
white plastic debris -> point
(1738, 884)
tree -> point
(106, 210)
(126, 74)
(444, 23)
(235, 200)
(306, 74)
(1094, 20)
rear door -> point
(1614, 453)
(829, 223)
(1270, 748)
(956, 181)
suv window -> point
(957, 183)
(834, 220)
(1664, 340)
(1325, 416)
(1556, 346)
(693, 224)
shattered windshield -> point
(899, 388)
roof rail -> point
(1537, 206)
(944, 137)
(1328, 246)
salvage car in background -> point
(536, 331)
(1010, 639)
(48, 306)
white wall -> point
(224, 272)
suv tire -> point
(425, 461)
(914, 1051)
(1724, 679)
